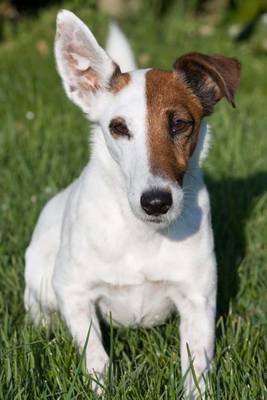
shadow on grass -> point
(232, 202)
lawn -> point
(44, 145)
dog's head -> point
(150, 119)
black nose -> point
(156, 202)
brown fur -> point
(165, 93)
(210, 77)
(118, 80)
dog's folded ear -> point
(85, 68)
(209, 77)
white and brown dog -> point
(132, 235)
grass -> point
(43, 146)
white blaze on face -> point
(132, 153)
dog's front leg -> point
(79, 313)
(197, 340)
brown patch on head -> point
(176, 102)
(118, 80)
(168, 97)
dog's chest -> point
(146, 304)
(125, 261)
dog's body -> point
(95, 247)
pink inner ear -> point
(87, 79)
(90, 80)
(73, 63)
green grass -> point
(41, 155)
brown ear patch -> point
(118, 80)
(166, 93)
(210, 77)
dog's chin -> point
(159, 222)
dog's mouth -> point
(162, 221)
(158, 221)
(154, 220)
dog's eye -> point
(118, 127)
(178, 125)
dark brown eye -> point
(118, 127)
(178, 125)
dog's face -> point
(150, 118)
(151, 124)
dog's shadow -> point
(232, 201)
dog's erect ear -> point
(210, 77)
(85, 68)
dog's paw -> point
(38, 315)
(193, 392)
(97, 366)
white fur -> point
(75, 40)
(93, 245)
(119, 50)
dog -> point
(132, 236)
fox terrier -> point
(132, 236)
